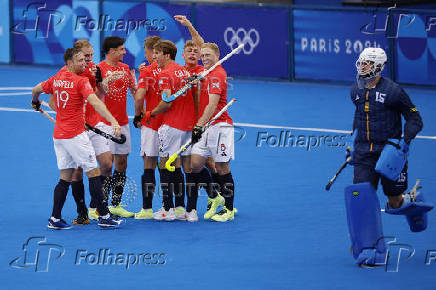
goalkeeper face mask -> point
(369, 66)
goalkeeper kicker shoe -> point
(224, 215)
(120, 211)
(144, 214)
(80, 220)
(109, 221)
(212, 205)
(58, 224)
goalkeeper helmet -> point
(369, 65)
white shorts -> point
(171, 139)
(217, 141)
(75, 152)
(116, 148)
(100, 144)
(149, 142)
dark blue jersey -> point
(378, 115)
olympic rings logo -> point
(250, 39)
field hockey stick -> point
(200, 76)
(45, 113)
(327, 187)
(120, 140)
(189, 143)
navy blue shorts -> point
(364, 171)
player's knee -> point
(210, 164)
(93, 173)
(78, 174)
(196, 165)
(222, 168)
(106, 167)
(121, 164)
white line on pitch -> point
(311, 129)
(242, 125)
(16, 94)
(15, 88)
(22, 110)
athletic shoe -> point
(144, 214)
(80, 220)
(180, 213)
(120, 211)
(162, 214)
(109, 222)
(60, 224)
(212, 205)
(92, 213)
(224, 215)
(192, 216)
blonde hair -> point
(81, 43)
(212, 46)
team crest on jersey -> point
(216, 85)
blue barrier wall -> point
(327, 43)
(4, 32)
(282, 42)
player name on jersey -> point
(63, 84)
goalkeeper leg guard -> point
(415, 209)
(364, 224)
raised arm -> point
(196, 37)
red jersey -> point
(116, 96)
(70, 92)
(215, 83)
(148, 78)
(91, 115)
(181, 114)
(203, 101)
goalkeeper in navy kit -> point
(380, 153)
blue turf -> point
(289, 233)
